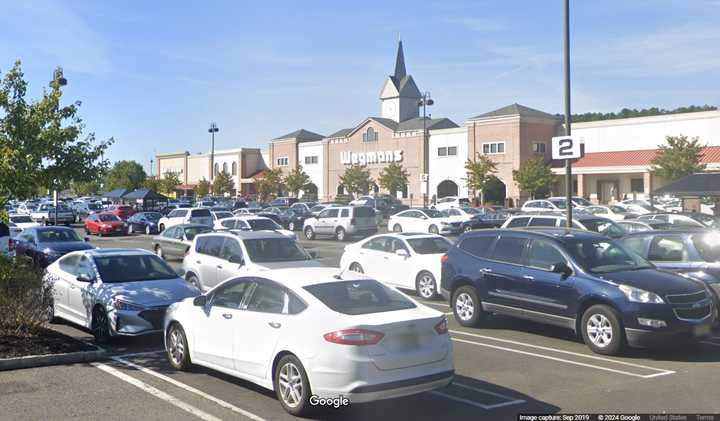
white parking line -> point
(140, 354)
(477, 404)
(190, 389)
(156, 392)
(710, 343)
(433, 303)
(548, 357)
(561, 351)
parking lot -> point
(502, 369)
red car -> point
(105, 223)
(121, 211)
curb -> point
(54, 359)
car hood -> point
(151, 293)
(287, 265)
(66, 246)
(658, 281)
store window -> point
(452, 150)
(234, 168)
(311, 160)
(217, 168)
(442, 151)
(370, 135)
(493, 148)
(283, 162)
(637, 185)
(225, 167)
(539, 147)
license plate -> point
(406, 342)
(701, 330)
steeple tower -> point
(399, 96)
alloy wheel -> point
(130, 229)
(101, 327)
(433, 229)
(426, 286)
(464, 306)
(176, 346)
(290, 384)
(397, 228)
(159, 252)
(355, 267)
(599, 330)
(291, 226)
(147, 229)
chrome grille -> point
(686, 298)
(154, 316)
(698, 313)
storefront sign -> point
(364, 158)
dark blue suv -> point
(575, 279)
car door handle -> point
(227, 316)
(198, 262)
(486, 270)
(274, 325)
(528, 277)
(219, 266)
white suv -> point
(451, 202)
(214, 257)
(252, 223)
(341, 221)
(585, 222)
(201, 216)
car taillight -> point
(444, 258)
(11, 245)
(354, 337)
(442, 327)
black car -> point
(44, 245)
(695, 253)
(576, 279)
(274, 213)
(284, 201)
(146, 222)
(294, 218)
(482, 220)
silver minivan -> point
(341, 221)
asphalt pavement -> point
(504, 368)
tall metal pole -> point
(426, 156)
(213, 129)
(566, 65)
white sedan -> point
(410, 261)
(317, 334)
(614, 212)
(423, 220)
(23, 221)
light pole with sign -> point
(563, 149)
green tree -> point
(269, 184)
(297, 180)
(169, 183)
(679, 157)
(480, 171)
(153, 183)
(41, 141)
(203, 188)
(393, 178)
(125, 175)
(356, 179)
(223, 183)
(534, 176)
(85, 188)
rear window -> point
(542, 222)
(518, 222)
(199, 213)
(191, 232)
(509, 249)
(362, 212)
(133, 268)
(429, 245)
(108, 218)
(20, 219)
(365, 296)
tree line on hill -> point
(633, 112)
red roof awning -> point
(711, 154)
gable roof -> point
(702, 184)
(116, 194)
(430, 123)
(515, 109)
(341, 133)
(302, 135)
(145, 194)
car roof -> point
(684, 231)
(191, 225)
(296, 278)
(100, 252)
(541, 232)
(245, 235)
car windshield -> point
(94, 206)
(429, 245)
(132, 268)
(559, 203)
(581, 201)
(263, 224)
(708, 245)
(20, 219)
(268, 250)
(57, 235)
(364, 296)
(604, 256)
(604, 226)
(109, 218)
(191, 232)
(707, 220)
(221, 215)
(432, 213)
(317, 208)
(152, 216)
(617, 209)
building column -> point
(581, 185)
(647, 183)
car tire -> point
(356, 267)
(194, 281)
(159, 252)
(433, 229)
(602, 330)
(340, 234)
(291, 385)
(309, 233)
(426, 286)
(466, 306)
(50, 314)
(161, 228)
(397, 228)
(176, 346)
(467, 228)
(100, 326)
(291, 226)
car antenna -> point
(339, 275)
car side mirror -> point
(402, 253)
(200, 301)
(237, 260)
(423, 217)
(561, 268)
(84, 278)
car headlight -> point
(50, 252)
(125, 306)
(637, 295)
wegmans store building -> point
(617, 160)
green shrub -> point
(24, 297)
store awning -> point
(702, 184)
(144, 194)
(116, 194)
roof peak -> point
(400, 71)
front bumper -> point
(678, 329)
(136, 323)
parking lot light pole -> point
(61, 81)
(212, 130)
(425, 102)
(566, 69)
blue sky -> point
(154, 74)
